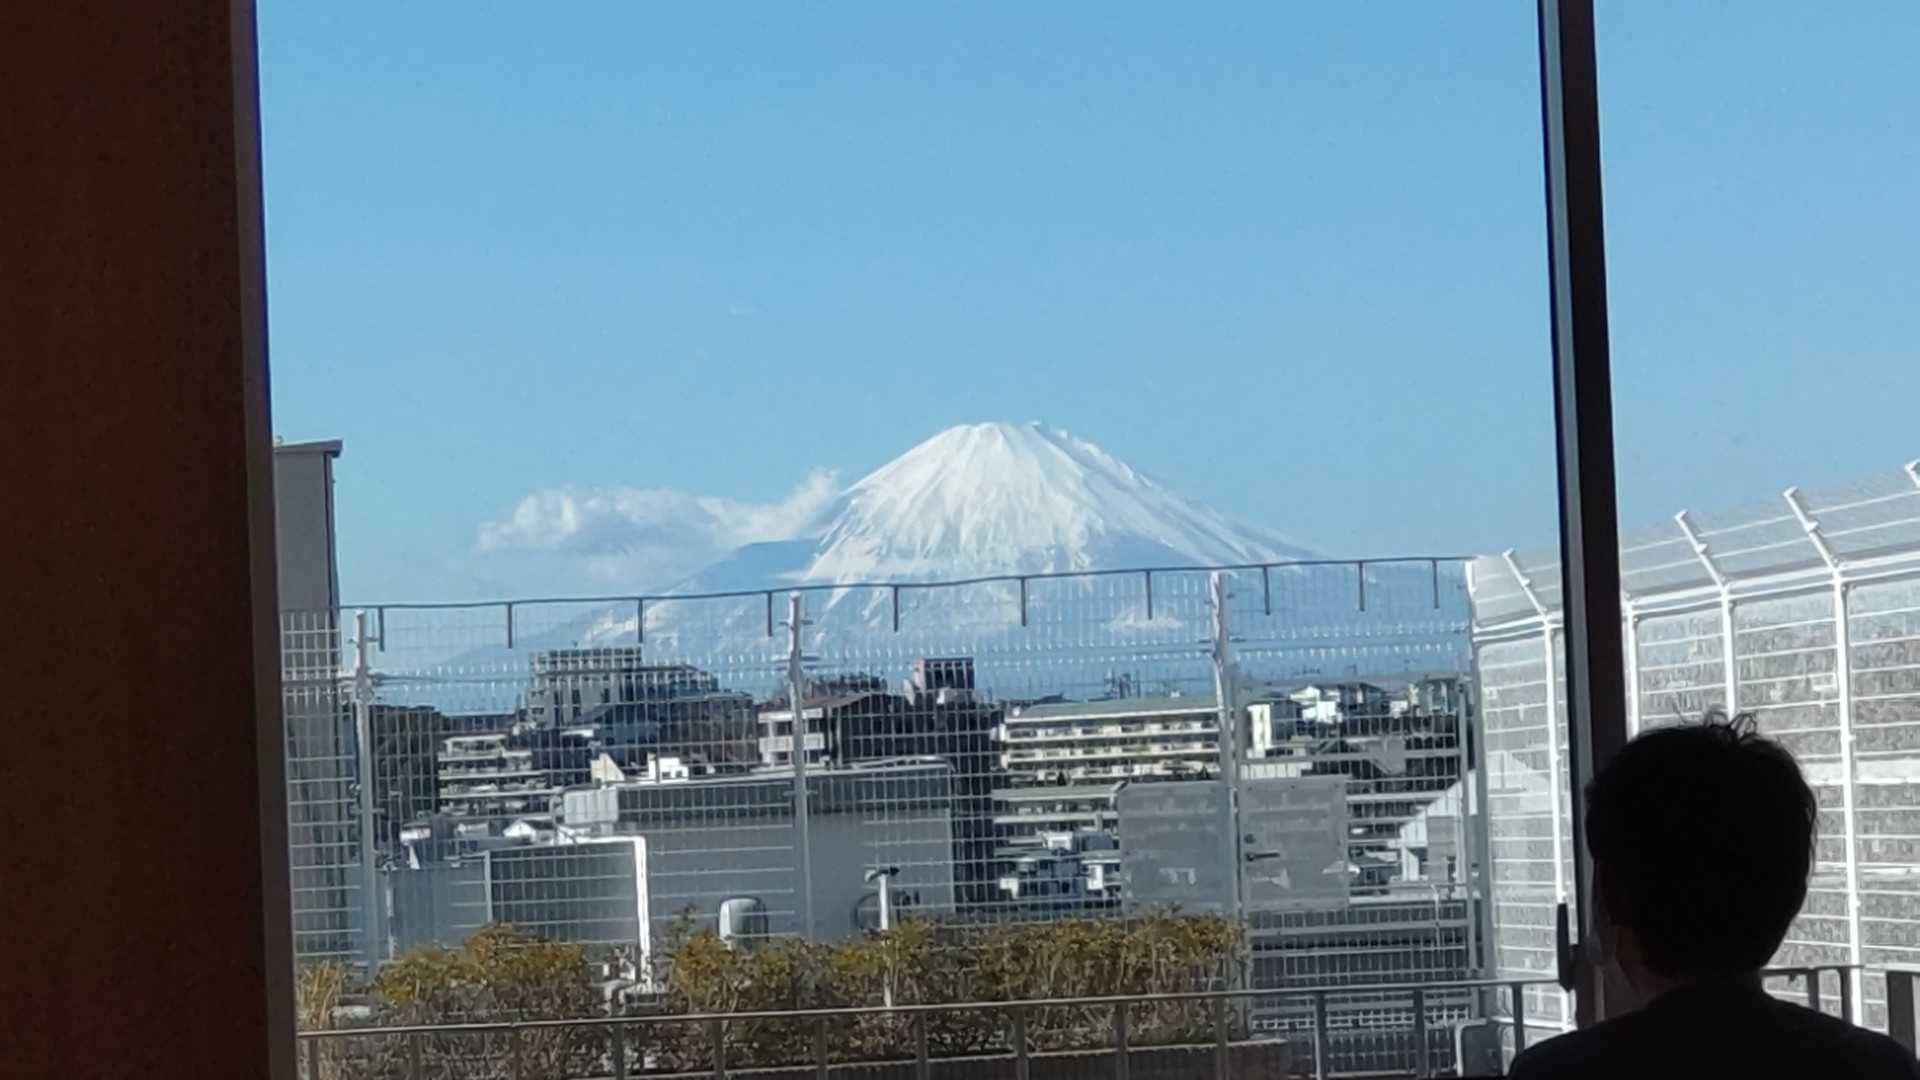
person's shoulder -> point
(1863, 1052)
(1798, 1040)
(1588, 1051)
(1819, 1027)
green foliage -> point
(499, 974)
(928, 964)
(506, 974)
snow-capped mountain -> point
(990, 499)
(974, 501)
(1009, 501)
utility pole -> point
(363, 695)
(1223, 690)
(796, 697)
(1224, 680)
(1223, 684)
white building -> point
(1055, 816)
(1100, 743)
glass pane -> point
(1760, 173)
(696, 607)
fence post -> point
(1704, 555)
(416, 1070)
(1632, 650)
(1519, 991)
(1422, 1060)
(1221, 1050)
(619, 1052)
(1320, 1035)
(1850, 979)
(1021, 1067)
(1226, 715)
(1122, 1050)
(1900, 1008)
(718, 1034)
(519, 1062)
(922, 1065)
(363, 694)
(797, 745)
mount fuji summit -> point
(991, 499)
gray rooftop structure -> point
(1157, 705)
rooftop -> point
(1159, 705)
(1056, 793)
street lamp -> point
(884, 875)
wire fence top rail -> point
(904, 584)
(1319, 617)
(1101, 1001)
(1868, 525)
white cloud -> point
(648, 537)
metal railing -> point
(617, 1045)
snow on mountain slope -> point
(997, 498)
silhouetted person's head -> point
(1702, 838)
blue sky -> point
(1286, 258)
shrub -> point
(930, 964)
(499, 974)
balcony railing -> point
(1222, 1034)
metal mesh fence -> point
(1804, 612)
(627, 772)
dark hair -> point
(1706, 833)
